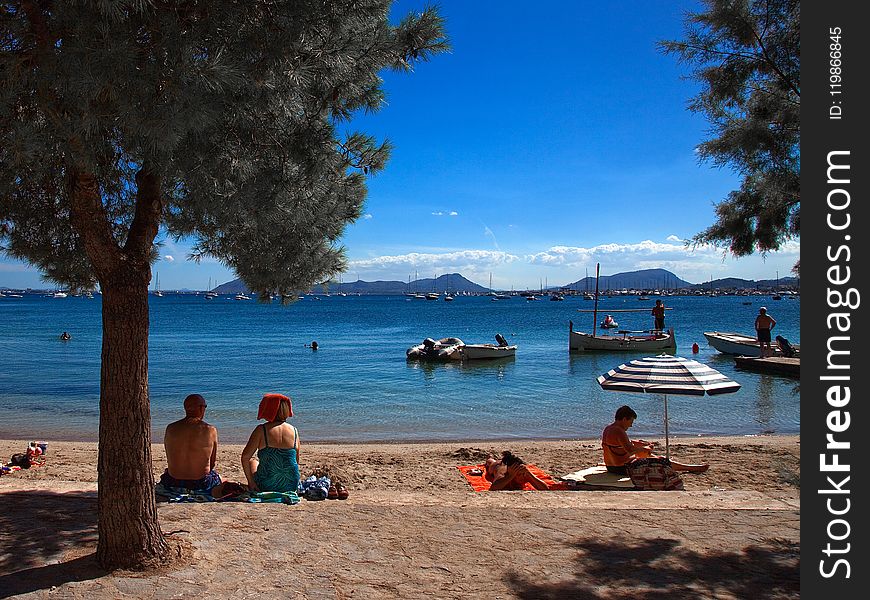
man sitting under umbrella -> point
(620, 450)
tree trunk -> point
(129, 533)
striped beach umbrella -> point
(665, 374)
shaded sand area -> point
(413, 528)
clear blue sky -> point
(553, 136)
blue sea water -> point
(358, 386)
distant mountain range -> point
(762, 284)
(452, 282)
(647, 279)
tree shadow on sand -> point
(659, 569)
(39, 529)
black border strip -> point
(833, 131)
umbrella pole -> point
(667, 443)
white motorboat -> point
(242, 297)
(436, 350)
(637, 341)
(488, 351)
(739, 344)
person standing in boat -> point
(764, 323)
(658, 312)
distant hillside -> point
(737, 283)
(236, 286)
(647, 279)
(453, 282)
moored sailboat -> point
(639, 341)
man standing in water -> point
(763, 324)
(191, 449)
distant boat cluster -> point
(412, 291)
(446, 296)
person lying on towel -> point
(510, 473)
(620, 451)
(191, 449)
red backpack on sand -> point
(654, 474)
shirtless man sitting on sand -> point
(510, 473)
(619, 450)
(191, 449)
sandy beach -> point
(412, 527)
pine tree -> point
(746, 55)
(214, 120)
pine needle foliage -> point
(746, 56)
(236, 109)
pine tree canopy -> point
(219, 121)
(746, 55)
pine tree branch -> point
(674, 46)
(146, 220)
(770, 62)
(89, 219)
(36, 18)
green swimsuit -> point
(278, 470)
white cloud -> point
(453, 213)
(438, 214)
(673, 238)
(367, 216)
(169, 258)
(791, 247)
(694, 264)
(422, 260)
(565, 264)
(473, 264)
(441, 213)
(612, 253)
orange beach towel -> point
(480, 484)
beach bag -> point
(315, 488)
(20, 460)
(654, 474)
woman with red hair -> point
(276, 466)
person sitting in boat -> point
(620, 450)
(510, 473)
(191, 450)
(65, 336)
(276, 466)
(609, 323)
(785, 347)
